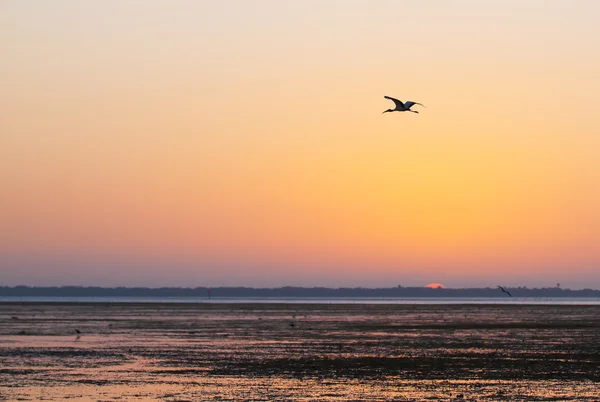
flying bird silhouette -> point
(504, 290)
(402, 106)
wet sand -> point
(328, 352)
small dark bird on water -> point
(292, 324)
(78, 331)
(504, 290)
(14, 317)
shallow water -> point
(333, 352)
(318, 300)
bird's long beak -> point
(384, 111)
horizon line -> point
(292, 287)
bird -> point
(402, 106)
(504, 290)
(78, 331)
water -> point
(303, 300)
(334, 351)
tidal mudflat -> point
(298, 352)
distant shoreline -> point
(291, 292)
(300, 303)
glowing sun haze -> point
(190, 143)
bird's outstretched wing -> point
(504, 290)
(398, 103)
(408, 104)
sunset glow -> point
(219, 143)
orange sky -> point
(234, 143)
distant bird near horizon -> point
(504, 290)
(402, 106)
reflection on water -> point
(334, 352)
(317, 300)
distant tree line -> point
(288, 291)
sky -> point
(236, 143)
